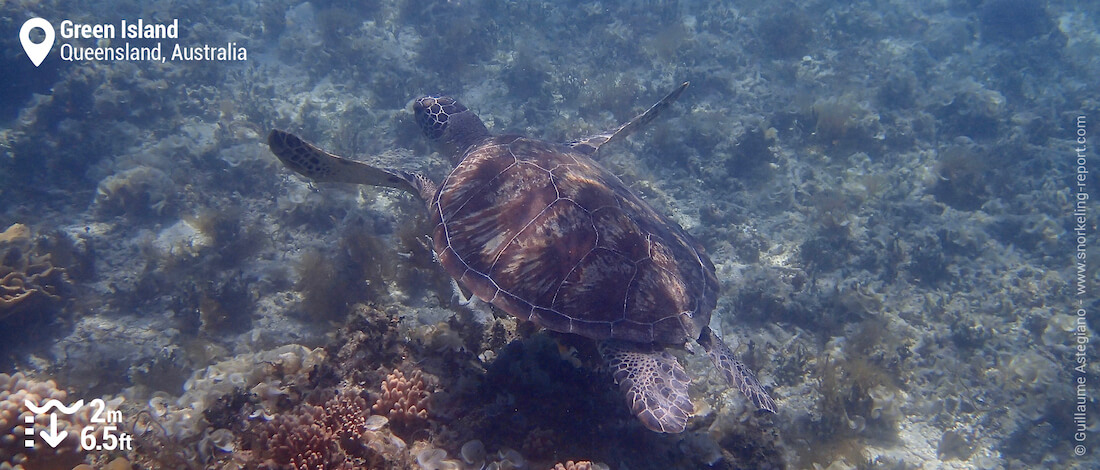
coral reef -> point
(346, 416)
(262, 373)
(29, 281)
(339, 434)
(296, 440)
(14, 416)
(571, 465)
(274, 409)
(225, 395)
(404, 400)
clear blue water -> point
(895, 197)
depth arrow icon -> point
(53, 438)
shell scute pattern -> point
(431, 121)
(549, 236)
(598, 288)
(545, 251)
(544, 233)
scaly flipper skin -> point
(589, 145)
(319, 165)
(737, 374)
(654, 383)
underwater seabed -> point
(882, 189)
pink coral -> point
(300, 442)
(345, 418)
(571, 465)
(336, 435)
(404, 400)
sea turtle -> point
(544, 233)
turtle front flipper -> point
(737, 374)
(319, 165)
(591, 144)
(654, 383)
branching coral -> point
(28, 280)
(571, 465)
(404, 400)
(340, 434)
(297, 441)
(346, 417)
(281, 413)
(222, 394)
(14, 391)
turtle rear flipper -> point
(654, 383)
(591, 144)
(737, 374)
(319, 165)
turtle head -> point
(693, 325)
(449, 124)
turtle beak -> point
(691, 329)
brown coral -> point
(299, 441)
(14, 391)
(28, 280)
(338, 435)
(404, 400)
(346, 419)
(571, 465)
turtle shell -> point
(548, 235)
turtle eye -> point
(432, 113)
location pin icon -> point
(37, 52)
